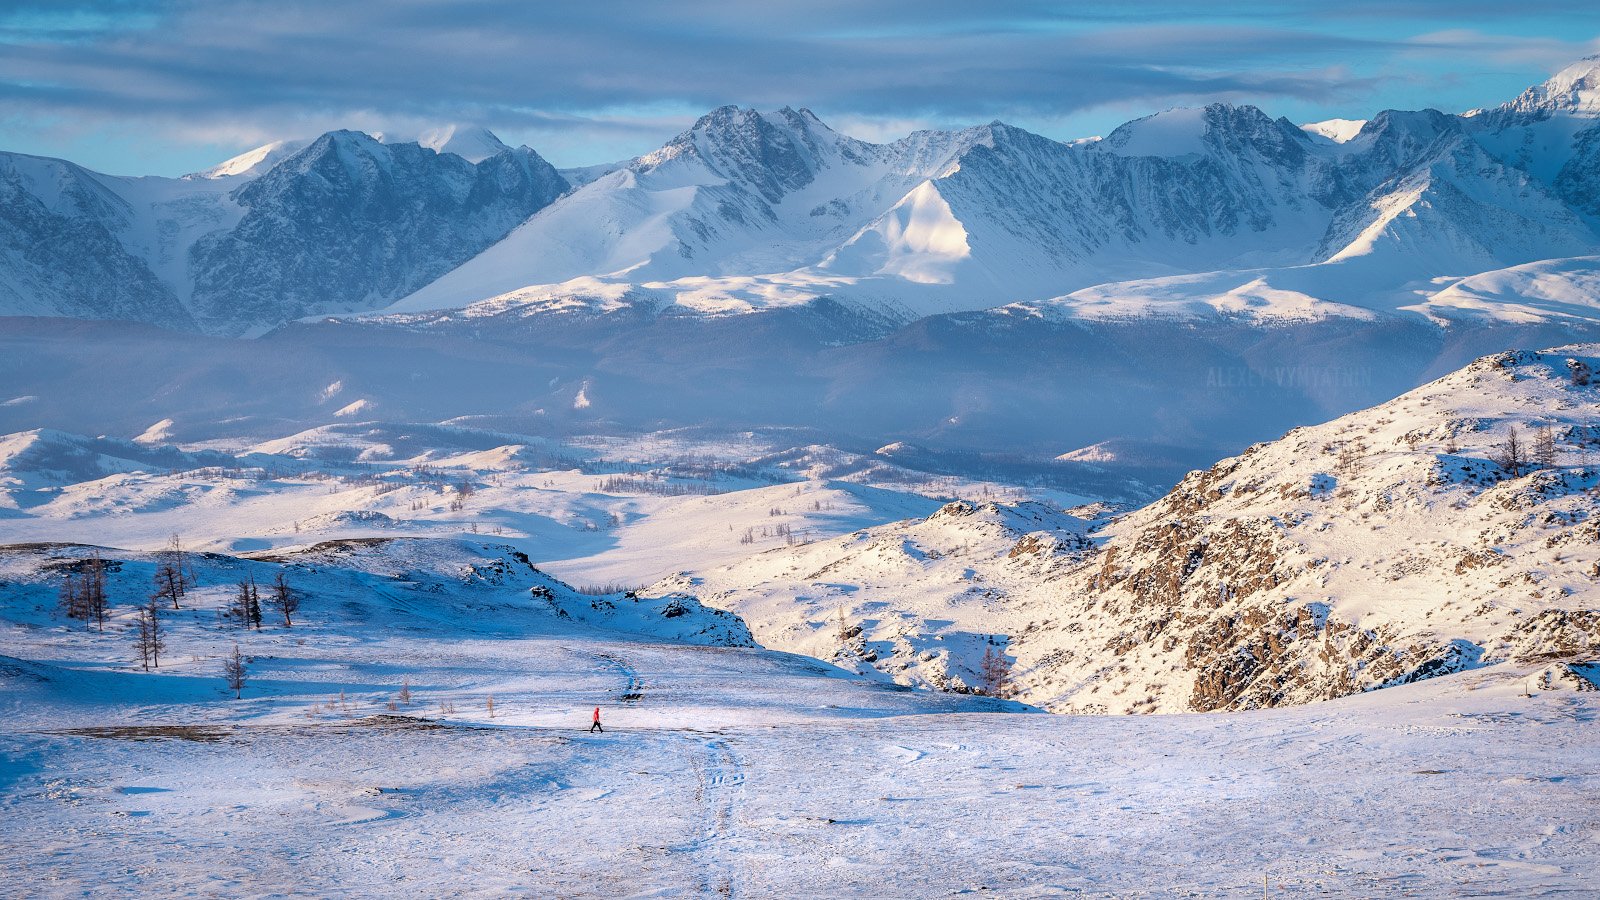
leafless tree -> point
(1509, 455)
(284, 599)
(71, 595)
(94, 589)
(234, 669)
(1544, 446)
(238, 609)
(253, 608)
(995, 672)
(246, 606)
(405, 691)
(150, 641)
(174, 576)
(1350, 457)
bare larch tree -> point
(234, 669)
(284, 599)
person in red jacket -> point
(596, 726)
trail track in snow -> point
(633, 687)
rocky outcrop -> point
(1241, 590)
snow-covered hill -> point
(1386, 546)
(385, 583)
(918, 601)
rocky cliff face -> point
(60, 253)
(350, 223)
(343, 224)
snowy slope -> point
(396, 585)
(1336, 130)
(917, 601)
(472, 143)
(1383, 547)
(1548, 291)
(722, 770)
(253, 162)
(76, 243)
(1455, 211)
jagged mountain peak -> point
(987, 214)
(1425, 122)
(474, 143)
(773, 153)
(344, 154)
(1204, 130)
(734, 126)
(1400, 137)
(1574, 90)
(419, 213)
(252, 162)
(363, 155)
(997, 130)
(345, 139)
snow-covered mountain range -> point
(1216, 211)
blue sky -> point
(171, 86)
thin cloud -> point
(619, 72)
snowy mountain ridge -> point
(1395, 209)
(745, 206)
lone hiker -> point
(596, 726)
